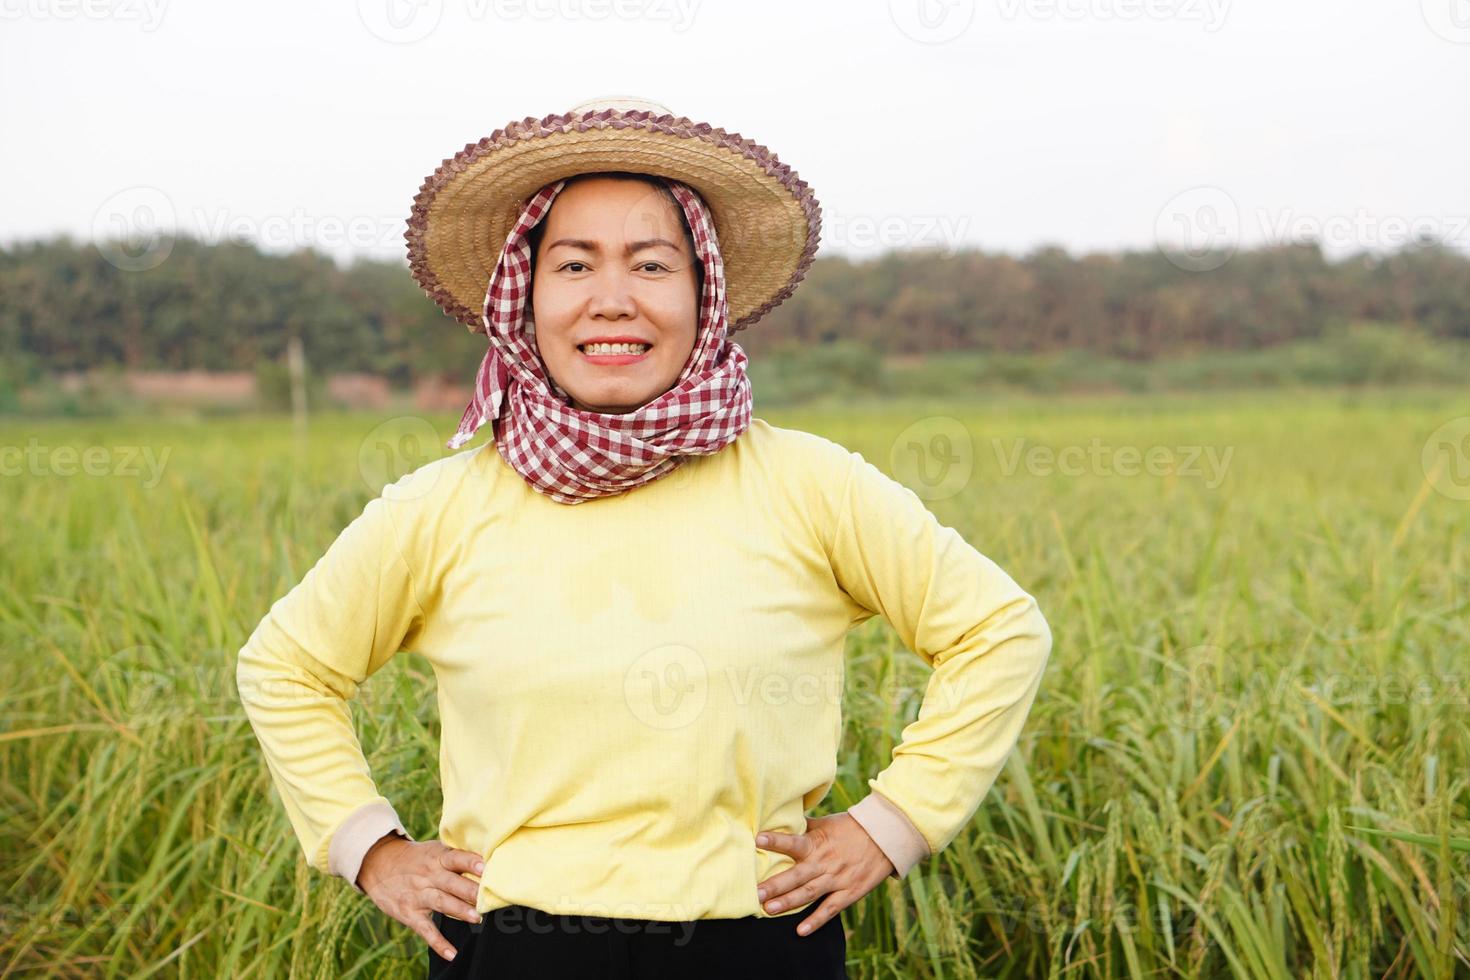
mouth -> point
(614, 354)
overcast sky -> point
(999, 124)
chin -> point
(611, 404)
(614, 399)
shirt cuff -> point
(892, 830)
(366, 826)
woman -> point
(635, 597)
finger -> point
(824, 913)
(464, 889)
(457, 860)
(797, 845)
(814, 887)
(424, 926)
(454, 906)
(793, 877)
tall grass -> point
(1248, 758)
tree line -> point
(65, 306)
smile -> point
(614, 354)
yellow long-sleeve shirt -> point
(631, 688)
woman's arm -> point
(350, 613)
(984, 636)
(891, 829)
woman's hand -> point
(409, 879)
(834, 856)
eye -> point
(656, 266)
(568, 265)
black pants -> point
(516, 942)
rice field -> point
(1250, 756)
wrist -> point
(379, 847)
(892, 831)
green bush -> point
(791, 374)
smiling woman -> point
(618, 591)
(615, 290)
(565, 447)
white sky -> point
(1000, 124)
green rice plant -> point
(1249, 756)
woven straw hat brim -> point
(766, 218)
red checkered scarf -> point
(574, 456)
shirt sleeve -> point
(984, 637)
(893, 832)
(351, 612)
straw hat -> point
(767, 221)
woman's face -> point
(614, 266)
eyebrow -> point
(631, 247)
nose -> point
(611, 298)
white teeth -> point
(615, 348)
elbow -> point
(245, 677)
(1025, 630)
(257, 674)
(1038, 628)
(1043, 628)
(269, 676)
